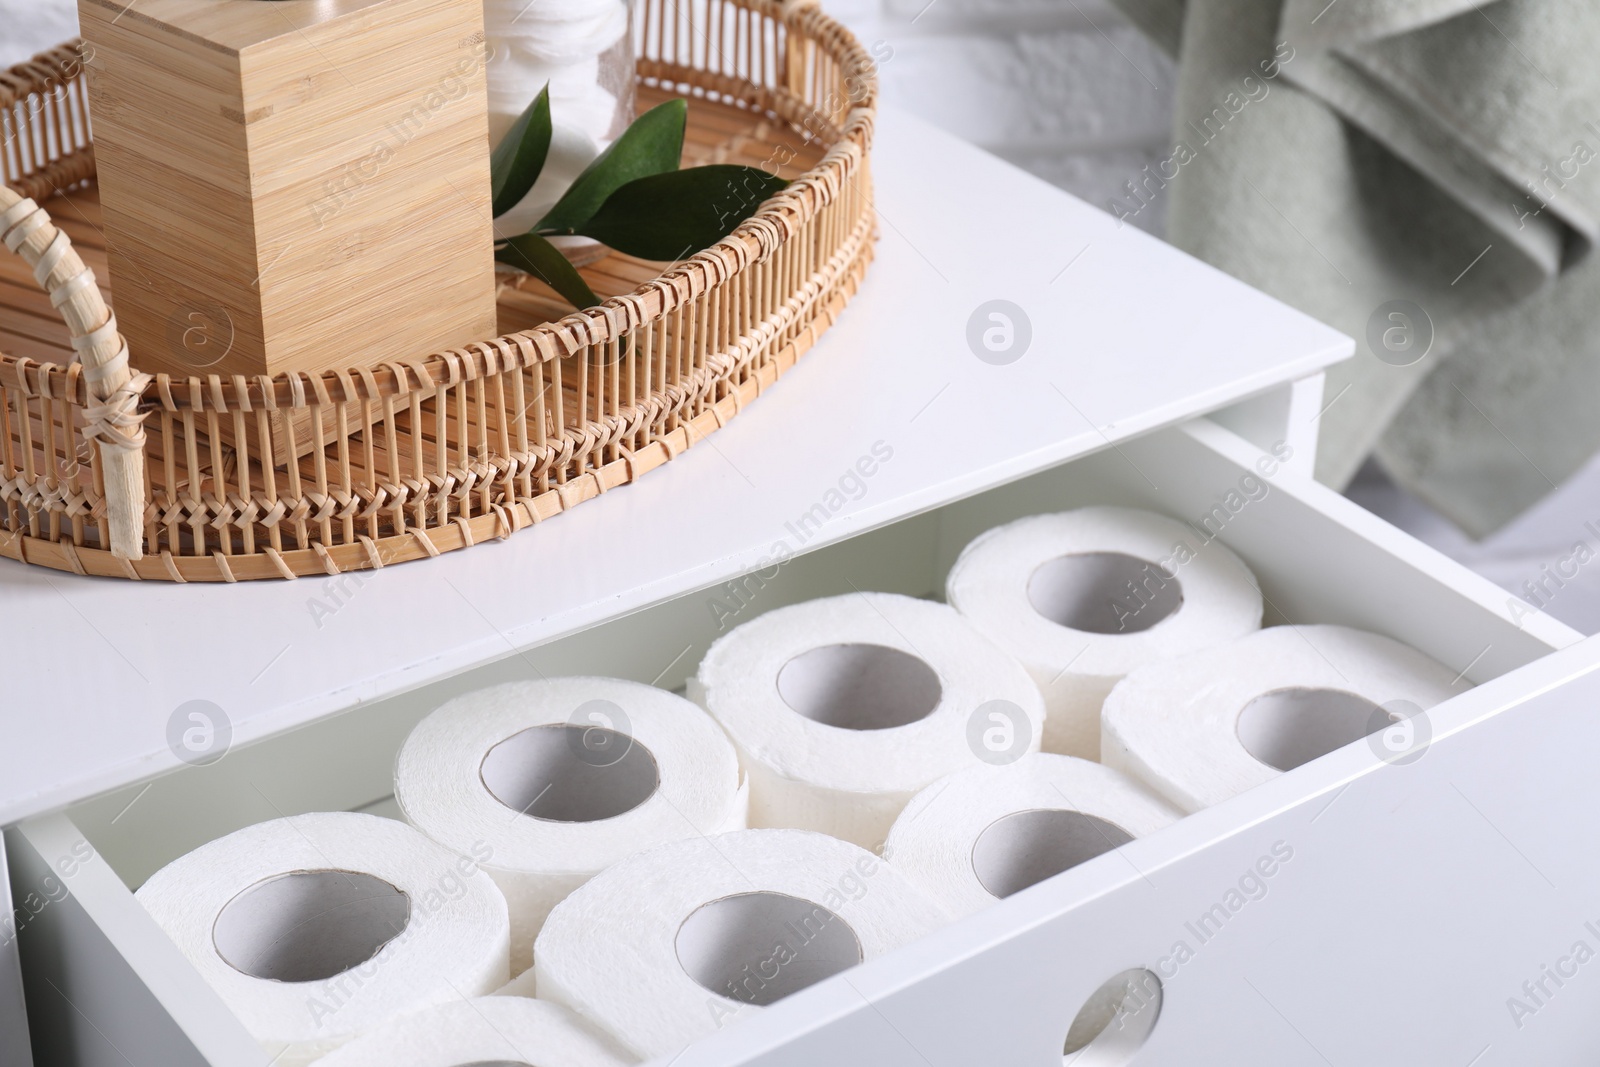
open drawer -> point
(1407, 902)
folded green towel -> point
(1424, 175)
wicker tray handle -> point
(113, 419)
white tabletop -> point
(1127, 335)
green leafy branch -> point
(632, 198)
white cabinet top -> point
(1127, 334)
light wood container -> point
(289, 182)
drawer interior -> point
(1318, 559)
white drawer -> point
(1417, 898)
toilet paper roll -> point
(513, 71)
(548, 783)
(491, 1031)
(985, 833)
(1083, 597)
(585, 32)
(317, 928)
(578, 103)
(673, 944)
(570, 152)
(505, 12)
(843, 708)
(1203, 728)
(559, 46)
(520, 986)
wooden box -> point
(292, 185)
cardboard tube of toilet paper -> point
(550, 782)
(482, 1032)
(843, 708)
(675, 943)
(1206, 727)
(985, 833)
(318, 928)
(1083, 597)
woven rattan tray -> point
(419, 457)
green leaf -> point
(652, 145)
(670, 216)
(544, 261)
(519, 158)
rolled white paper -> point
(985, 833)
(674, 943)
(585, 109)
(480, 1032)
(581, 31)
(570, 152)
(515, 12)
(520, 986)
(320, 927)
(550, 782)
(1287, 694)
(843, 708)
(1083, 597)
(558, 44)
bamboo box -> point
(288, 183)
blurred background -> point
(1077, 94)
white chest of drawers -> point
(1417, 899)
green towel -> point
(1364, 159)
